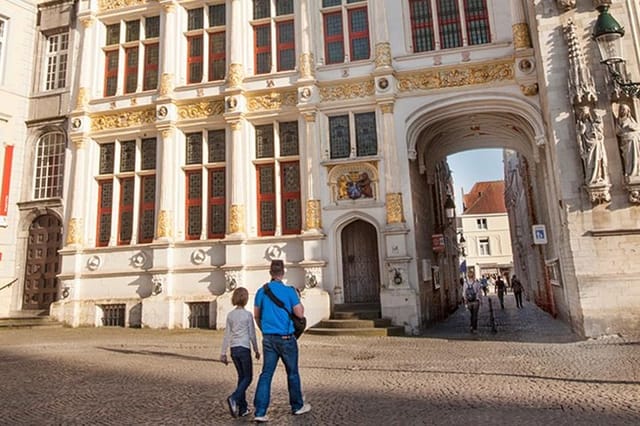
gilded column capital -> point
(164, 224)
(312, 216)
(236, 220)
(236, 125)
(82, 100)
(234, 79)
(167, 133)
(383, 54)
(80, 143)
(169, 7)
(166, 84)
(521, 39)
(307, 69)
(387, 108)
(395, 213)
(309, 117)
(74, 233)
(87, 21)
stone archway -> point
(489, 121)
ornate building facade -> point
(204, 138)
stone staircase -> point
(29, 319)
(357, 319)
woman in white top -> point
(240, 334)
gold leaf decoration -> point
(121, 120)
(271, 101)
(117, 4)
(456, 77)
(201, 109)
(347, 91)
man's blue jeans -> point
(276, 347)
(241, 357)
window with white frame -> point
(353, 135)
(206, 44)
(49, 167)
(445, 24)
(56, 54)
(3, 43)
(278, 174)
(132, 40)
(205, 179)
(481, 223)
(273, 31)
(346, 31)
(483, 247)
(126, 191)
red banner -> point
(437, 242)
(6, 180)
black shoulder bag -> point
(299, 324)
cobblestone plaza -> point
(531, 371)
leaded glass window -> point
(195, 59)
(195, 19)
(194, 204)
(288, 138)
(339, 136)
(126, 210)
(194, 148)
(49, 168)
(113, 34)
(346, 31)
(274, 40)
(217, 188)
(56, 61)
(421, 25)
(148, 154)
(107, 156)
(132, 32)
(291, 197)
(105, 197)
(477, 18)
(152, 27)
(264, 141)
(366, 139)
(284, 7)
(217, 15)
(217, 146)
(147, 209)
(449, 21)
(261, 9)
(127, 156)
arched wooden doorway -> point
(43, 262)
(360, 267)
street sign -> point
(539, 234)
(437, 242)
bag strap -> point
(274, 299)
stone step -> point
(381, 331)
(346, 323)
(363, 315)
(29, 322)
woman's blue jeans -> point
(275, 347)
(241, 357)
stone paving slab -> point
(525, 374)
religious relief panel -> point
(357, 181)
(590, 138)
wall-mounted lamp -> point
(462, 244)
(449, 208)
(608, 33)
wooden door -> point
(43, 262)
(360, 268)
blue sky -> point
(478, 165)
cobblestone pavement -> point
(531, 371)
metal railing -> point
(9, 284)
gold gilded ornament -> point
(383, 55)
(201, 109)
(164, 224)
(106, 5)
(121, 120)
(313, 214)
(234, 79)
(306, 65)
(347, 91)
(394, 208)
(74, 234)
(521, 39)
(456, 77)
(166, 84)
(236, 221)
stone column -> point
(235, 74)
(165, 176)
(168, 42)
(237, 160)
(306, 63)
(85, 67)
(75, 226)
(524, 59)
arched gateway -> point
(461, 123)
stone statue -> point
(628, 131)
(590, 130)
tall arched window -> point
(49, 167)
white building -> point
(485, 226)
(206, 137)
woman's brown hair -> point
(240, 297)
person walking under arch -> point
(501, 289)
(518, 289)
(278, 342)
(472, 298)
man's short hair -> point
(277, 268)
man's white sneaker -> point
(304, 409)
(261, 419)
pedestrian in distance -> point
(240, 334)
(501, 289)
(484, 283)
(518, 289)
(472, 298)
(278, 341)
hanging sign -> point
(539, 234)
(437, 242)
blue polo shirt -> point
(275, 320)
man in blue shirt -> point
(278, 342)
